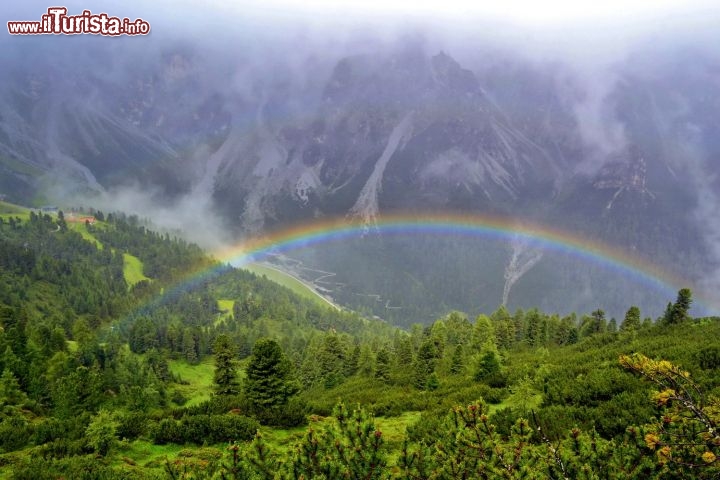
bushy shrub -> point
(486, 392)
(62, 447)
(557, 420)
(76, 468)
(497, 380)
(496, 395)
(199, 429)
(391, 407)
(291, 415)
(15, 433)
(60, 438)
(425, 429)
(167, 430)
(131, 425)
(178, 398)
(49, 430)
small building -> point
(72, 218)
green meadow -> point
(133, 269)
(194, 381)
(286, 280)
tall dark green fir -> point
(225, 378)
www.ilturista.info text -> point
(57, 22)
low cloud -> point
(192, 215)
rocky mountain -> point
(407, 128)
(409, 131)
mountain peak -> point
(448, 72)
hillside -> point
(106, 378)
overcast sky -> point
(530, 12)
(550, 14)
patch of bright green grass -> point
(199, 379)
(393, 428)
(282, 439)
(532, 403)
(24, 217)
(394, 431)
(290, 282)
(226, 310)
(145, 454)
(133, 269)
(82, 230)
(8, 208)
(226, 306)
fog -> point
(282, 53)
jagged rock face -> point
(409, 131)
(630, 174)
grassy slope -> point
(82, 230)
(226, 310)
(198, 377)
(394, 430)
(290, 282)
(132, 266)
(146, 456)
(132, 269)
(6, 208)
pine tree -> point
(331, 359)
(505, 334)
(382, 365)
(599, 324)
(189, 348)
(10, 392)
(632, 319)
(269, 383)
(612, 325)
(225, 377)
(488, 367)
(667, 316)
(351, 362)
(404, 351)
(533, 328)
(101, 433)
(686, 437)
(349, 445)
(483, 331)
(680, 309)
(61, 221)
(458, 361)
(438, 335)
(593, 324)
(366, 363)
(424, 363)
(467, 446)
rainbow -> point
(318, 232)
(484, 226)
